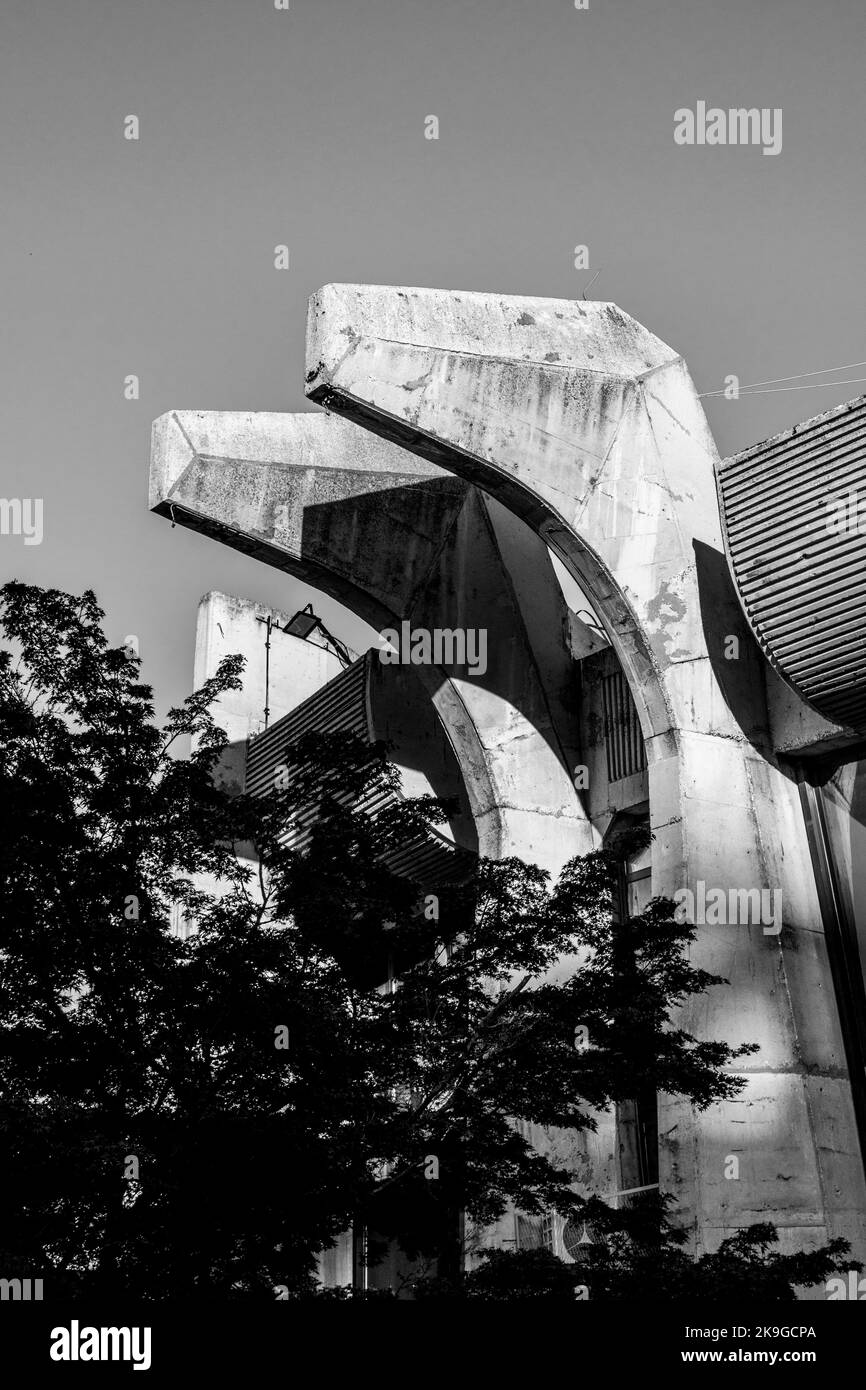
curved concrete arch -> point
(385, 534)
(599, 444)
(589, 427)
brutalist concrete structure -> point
(474, 448)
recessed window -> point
(626, 753)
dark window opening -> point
(637, 1118)
(626, 752)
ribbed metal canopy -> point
(343, 705)
(794, 519)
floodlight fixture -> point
(303, 623)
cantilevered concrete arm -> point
(398, 540)
(589, 428)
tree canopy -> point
(201, 1116)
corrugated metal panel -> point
(343, 706)
(340, 706)
(801, 582)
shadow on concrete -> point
(427, 553)
(740, 676)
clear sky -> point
(258, 127)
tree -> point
(636, 1254)
(202, 1116)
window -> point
(626, 753)
(636, 1119)
(636, 889)
(548, 1232)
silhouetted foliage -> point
(157, 1140)
(636, 1254)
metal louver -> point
(795, 534)
(626, 752)
(343, 705)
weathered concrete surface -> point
(798, 730)
(228, 625)
(306, 494)
(396, 539)
(581, 420)
(589, 428)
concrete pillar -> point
(588, 427)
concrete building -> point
(667, 638)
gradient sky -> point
(260, 127)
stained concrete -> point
(396, 539)
(506, 426)
(589, 428)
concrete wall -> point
(589, 428)
(397, 540)
(567, 427)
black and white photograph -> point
(432, 686)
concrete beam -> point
(308, 494)
(578, 419)
(396, 540)
(589, 428)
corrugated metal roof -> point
(339, 706)
(796, 545)
(343, 705)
